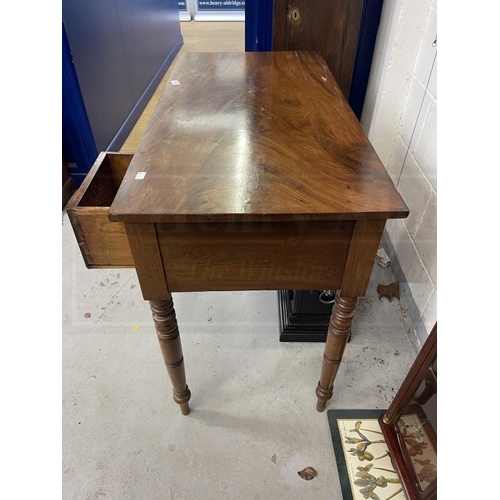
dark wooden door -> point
(330, 27)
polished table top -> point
(251, 137)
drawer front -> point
(254, 256)
(103, 243)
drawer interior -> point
(104, 184)
(103, 243)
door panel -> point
(330, 27)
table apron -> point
(254, 256)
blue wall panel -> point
(95, 41)
(120, 49)
(78, 146)
(149, 30)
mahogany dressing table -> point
(253, 174)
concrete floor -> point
(253, 423)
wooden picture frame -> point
(410, 428)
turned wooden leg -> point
(170, 343)
(338, 333)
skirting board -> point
(140, 105)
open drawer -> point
(103, 243)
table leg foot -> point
(185, 410)
(323, 396)
(338, 333)
(183, 400)
(171, 348)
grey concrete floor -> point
(253, 423)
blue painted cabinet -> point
(120, 50)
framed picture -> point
(363, 462)
(409, 425)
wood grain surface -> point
(362, 252)
(253, 255)
(215, 36)
(147, 259)
(254, 137)
(103, 243)
(171, 348)
(330, 27)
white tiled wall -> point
(400, 117)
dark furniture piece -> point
(410, 425)
(304, 314)
(330, 27)
(253, 174)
